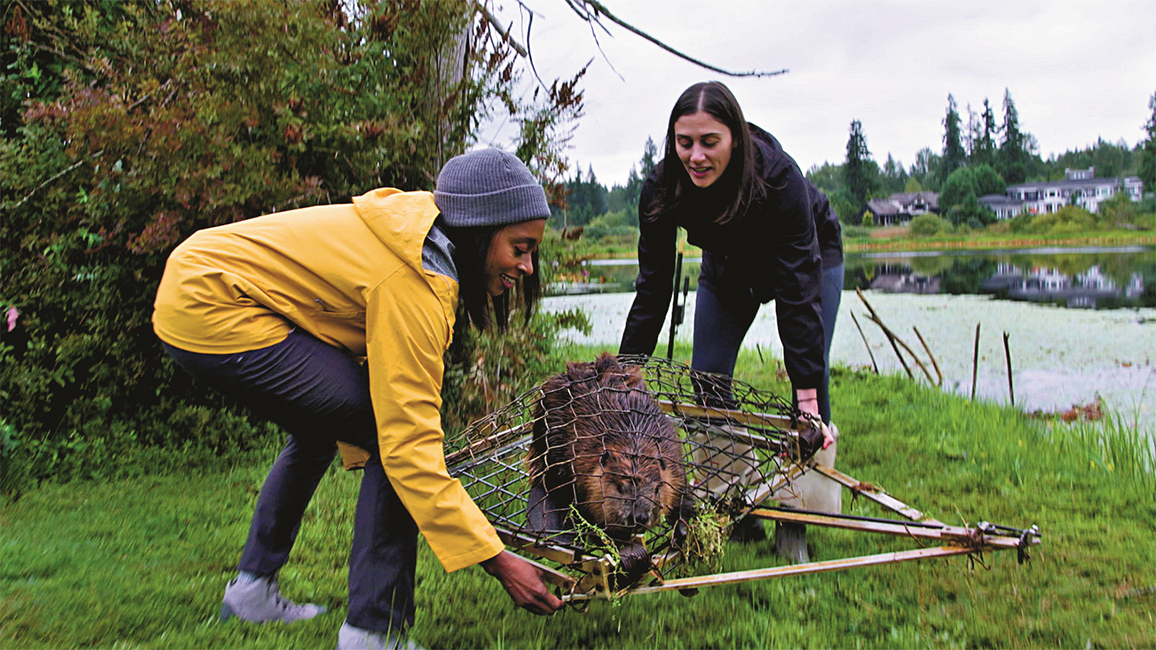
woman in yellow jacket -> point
(332, 321)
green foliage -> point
(868, 219)
(1147, 165)
(959, 196)
(893, 178)
(826, 177)
(1120, 209)
(585, 200)
(856, 176)
(855, 232)
(1067, 220)
(1108, 160)
(158, 120)
(926, 169)
(632, 192)
(929, 225)
(1018, 158)
(954, 155)
(983, 141)
(622, 224)
(845, 206)
(489, 368)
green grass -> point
(982, 240)
(143, 563)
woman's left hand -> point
(808, 399)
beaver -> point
(601, 443)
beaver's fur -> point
(601, 443)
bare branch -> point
(592, 12)
(504, 31)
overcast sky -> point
(1077, 70)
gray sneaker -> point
(355, 638)
(260, 601)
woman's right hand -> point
(523, 582)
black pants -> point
(320, 395)
(720, 327)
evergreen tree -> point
(1012, 163)
(954, 155)
(826, 177)
(649, 158)
(1107, 159)
(925, 169)
(973, 133)
(855, 172)
(983, 147)
(1147, 167)
(585, 199)
(636, 179)
(894, 176)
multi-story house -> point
(1080, 187)
(902, 207)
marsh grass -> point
(142, 563)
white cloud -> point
(1077, 70)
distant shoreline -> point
(907, 244)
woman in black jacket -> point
(766, 234)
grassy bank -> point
(865, 240)
(980, 241)
(142, 563)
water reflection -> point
(1084, 278)
(1087, 278)
(1083, 290)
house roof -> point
(999, 200)
(909, 198)
(903, 202)
(1073, 184)
(884, 207)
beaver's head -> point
(629, 490)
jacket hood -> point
(401, 220)
(771, 159)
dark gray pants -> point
(319, 395)
(720, 326)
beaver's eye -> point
(662, 463)
(605, 460)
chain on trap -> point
(625, 476)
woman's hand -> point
(523, 582)
(808, 399)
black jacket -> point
(775, 251)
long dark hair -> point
(739, 185)
(471, 247)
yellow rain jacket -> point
(352, 276)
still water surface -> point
(1081, 278)
(1081, 323)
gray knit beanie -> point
(488, 188)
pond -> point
(1080, 323)
(1088, 278)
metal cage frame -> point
(743, 449)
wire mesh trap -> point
(626, 475)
